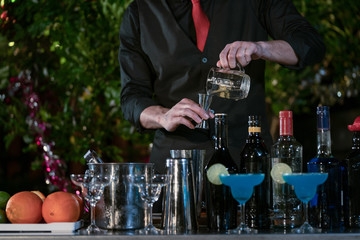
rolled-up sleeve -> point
(135, 69)
(282, 21)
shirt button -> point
(204, 60)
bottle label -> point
(214, 172)
(278, 170)
(254, 129)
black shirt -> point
(160, 63)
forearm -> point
(151, 117)
(278, 51)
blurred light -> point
(339, 94)
(11, 44)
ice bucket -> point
(121, 207)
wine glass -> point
(94, 185)
(305, 185)
(150, 189)
(242, 187)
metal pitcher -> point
(179, 212)
(121, 206)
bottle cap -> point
(286, 123)
(356, 125)
(254, 119)
(285, 114)
(323, 117)
(254, 123)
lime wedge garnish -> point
(214, 171)
(278, 170)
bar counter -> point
(202, 233)
(120, 235)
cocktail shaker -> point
(198, 157)
(179, 212)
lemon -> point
(4, 197)
(3, 218)
(214, 171)
(278, 170)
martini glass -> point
(80, 180)
(305, 185)
(150, 189)
(92, 187)
(242, 187)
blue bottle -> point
(326, 206)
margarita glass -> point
(150, 189)
(242, 187)
(305, 185)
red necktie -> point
(202, 24)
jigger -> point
(204, 102)
(179, 214)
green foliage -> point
(70, 49)
(334, 80)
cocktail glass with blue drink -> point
(305, 185)
(242, 187)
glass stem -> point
(306, 208)
(92, 205)
(150, 205)
(242, 215)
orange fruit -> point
(24, 207)
(81, 204)
(61, 207)
(40, 194)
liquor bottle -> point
(352, 163)
(221, 207)
(254, 159)
(325, 207)
(286, 157)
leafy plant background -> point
(70, 48)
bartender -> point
(167, 48)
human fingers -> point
(185, 112)
(245, 52)
(189, 107)
(223, 57)
(236, 52)
(172, 123)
